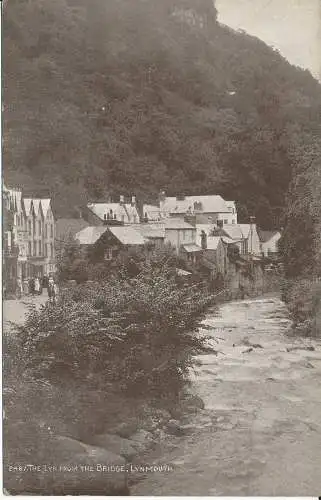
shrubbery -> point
(79, 367)
(304, 301)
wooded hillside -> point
(106, 97)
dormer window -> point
(198, 206)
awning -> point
(192, 248)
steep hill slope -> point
(106, 97)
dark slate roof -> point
(266, 235)
(66, 228)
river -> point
(260, 431)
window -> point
(39, 227)
(46, 250)
(225, 221)
(108, 254)
(51, 250)
(34, 249)
(184, 234)
(233, 221)
(51, 231)
(46, 231)
(29, 227)
(29, 248)
(39, 248)
(34, 227)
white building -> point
(207, 209)
(269, 242)
(126, 213)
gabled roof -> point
(37, 205)
(175, 223)
(238, 231)
(210, 204)
(66, 228)
(246, 228)
(127, 235)
(28, 203)
(90, 234)
(152, 211)
(265, 236)
(46, 204)
(100, 209)
(233, 231)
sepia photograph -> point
(161, 247)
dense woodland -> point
(100, 97)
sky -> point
(291, 26)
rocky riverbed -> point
(259, 432)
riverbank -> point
(95, 379)
(259, 433)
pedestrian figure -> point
(51, 290)
(32, 286)
(19, 288)
(26, 287)
(37, 286)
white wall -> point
(271, 245)
(178, 237)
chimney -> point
(121, 199)
(203, 240)
(133, 203)
(162, 196)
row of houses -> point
(202, 229)
(29, 229)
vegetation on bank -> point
(97, 358)
(301, 242)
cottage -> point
(245, 236)
(105, 242)
(269, 243)
(216, 252)
(210, 208)
(122, 212)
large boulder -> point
(116, 444)
(71, 467)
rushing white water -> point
(260, 431)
